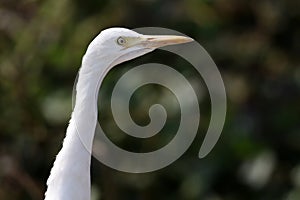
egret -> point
(70, 175)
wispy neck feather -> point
(70, 176)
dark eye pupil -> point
(121, 41)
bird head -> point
(117, 45)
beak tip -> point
(184, 39)
(189, 39)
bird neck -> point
(70, 175)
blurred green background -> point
(256, 46)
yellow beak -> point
(156, 41)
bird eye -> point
(121, 41)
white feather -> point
(70, 176)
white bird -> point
(70, 176)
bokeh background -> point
(256, 46)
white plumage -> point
(70, 176)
